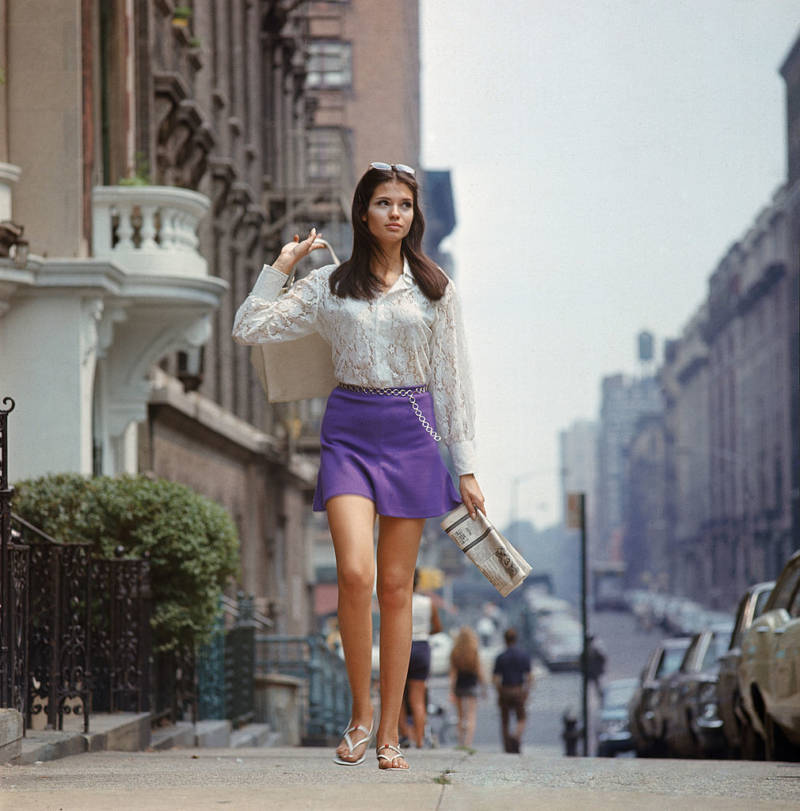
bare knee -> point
(394, 592)
(355, 581)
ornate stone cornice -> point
(184, 136)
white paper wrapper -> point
(479, 540)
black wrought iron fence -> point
(226, 664)
(14, 572)
(75, 634)
(175, 693)
(59, 634)
(325, 698)
(74, 630)
(121, 641)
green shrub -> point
(191, 541)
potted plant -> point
(181, 16)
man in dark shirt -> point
(512, 678)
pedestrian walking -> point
(595, 664)
(424, 622)
(512, 678)
(392, 319)
(486, 629)
(466, 682)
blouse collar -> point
(405, 280)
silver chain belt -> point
(399, 393)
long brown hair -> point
(464, 655)
(353, 277)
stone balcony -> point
(102, 322)
(149, 230)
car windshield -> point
(761, 601)
(716, 648)
(670, 662)
(618, 695)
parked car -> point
(687, 714)
(684, 617)
(769, 672)
(561, 644)
(740, 737)
(614, 734)
(663, 662)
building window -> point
(326, 155)
(329, 65)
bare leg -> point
(351, 520)
(398, 545)
(416, 698)
(462, 720)
(403, 726)
(470, 713)
(520, 729)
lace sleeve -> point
(451, 383)
(265, 317)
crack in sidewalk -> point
(443, 778)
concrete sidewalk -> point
(439, 780)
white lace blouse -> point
(400, 338)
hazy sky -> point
(605, 154)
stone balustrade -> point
(149, 230)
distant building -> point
(684, 379)
(578, 464)
(732, 390)
(625, 400)
(790, 70)
(646, 540)
(440, 216)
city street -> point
(440, 779)
(627, 648)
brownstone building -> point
(157, 153)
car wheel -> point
(776, 745)
(751, 744)
(695, 746)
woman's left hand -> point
(471, 495)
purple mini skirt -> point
(373, 445)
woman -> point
(466, 679)
(392, 319)
(424, 622)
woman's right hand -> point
(292, 252)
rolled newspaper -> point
(479, 540)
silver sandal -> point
(391, 758)
(351, 747)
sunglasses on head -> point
(387, 167)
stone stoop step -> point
(10, 735)
(174, 735)
(127, 732)
(213, 734)
(124, 732)
(254, 735)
